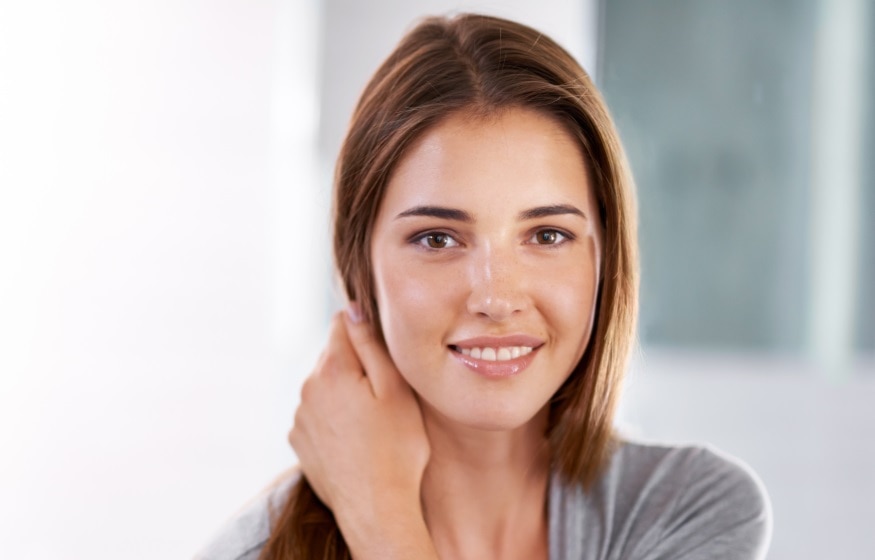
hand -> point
(361, 441)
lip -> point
(496, 369)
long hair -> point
(483, 64)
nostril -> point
(494, 307)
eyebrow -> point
(437, 212)
(462, 216)
(552, 210)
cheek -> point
(569, 297)
(574, 304)
(409, 298)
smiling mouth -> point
(494, 354)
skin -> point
(408, 432)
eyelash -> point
(422, 238)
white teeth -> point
(501, 354)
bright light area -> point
(158, 197)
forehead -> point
(517, 156)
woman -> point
(463, 407)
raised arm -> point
(362, 444)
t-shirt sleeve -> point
(720, 511)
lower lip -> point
(496, 369)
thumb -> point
(372, 354)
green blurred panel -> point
(713, 103)
(866, 310)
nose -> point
(497, 284)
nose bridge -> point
(496, 282)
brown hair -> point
(483, 64)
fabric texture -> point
(652, 502)
(662, 503)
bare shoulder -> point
(245, 533)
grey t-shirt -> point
(651, 503)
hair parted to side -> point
(483, 65)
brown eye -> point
(436, 240)
(550, 237)
(547, 237)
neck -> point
(484, 492)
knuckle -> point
(337, 325)
(295, 432)
(298, 433)
(330, 362)
(307, 389)
(298, 420)
(336, 362)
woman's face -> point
(486, 256)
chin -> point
(486, 416)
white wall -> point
(159, 296)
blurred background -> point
(165, 279)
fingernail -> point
(354, 312)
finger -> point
(378, 365)
(339, 357)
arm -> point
(362, 445)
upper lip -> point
(498, 341)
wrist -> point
(388, 532)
